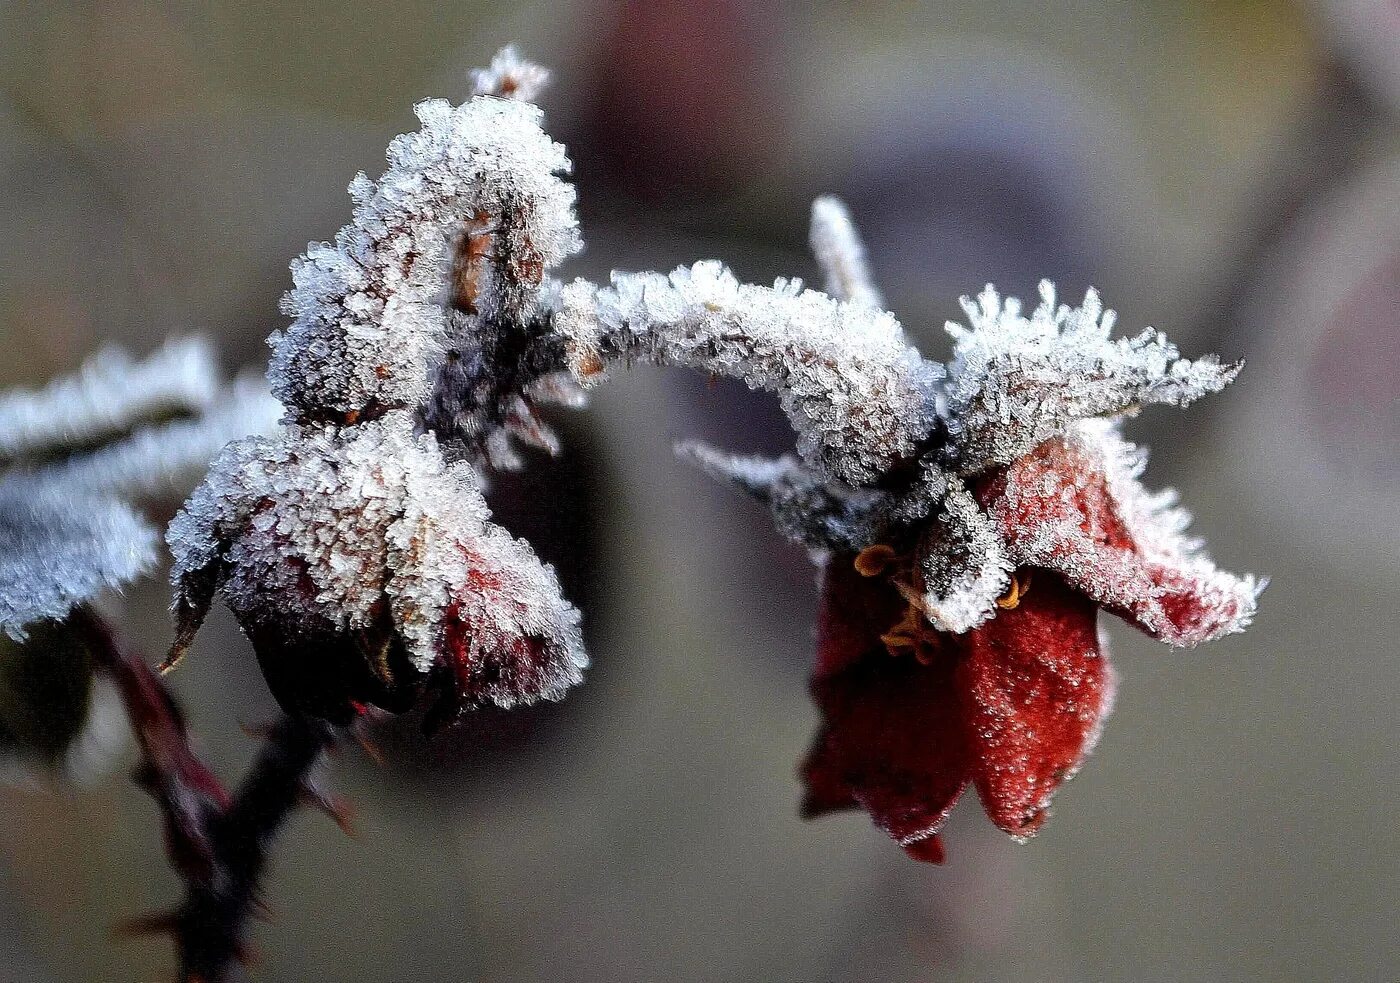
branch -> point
(218, 843)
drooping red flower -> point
(912, 715)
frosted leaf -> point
(860, 399)
(158, 460)
(841, 255)
(109, 395)
(806, 509)
(451, 244)
(66, 530)
(962, 565)
(60, 548)
(510, 76)
(1016, 381)
(316, 526)
(1075, 505)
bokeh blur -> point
(1227, 170)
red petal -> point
(891, 739)
(1074, 505)
(852, 613)
(1035, 690)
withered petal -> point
(891, 738)
(1074, 505)
(1035, 690)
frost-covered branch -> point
(431, 329)
(218, 842)
(860, 398)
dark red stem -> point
(218, 843)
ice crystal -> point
(1017, 381)
(859, 397)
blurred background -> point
(1227, 170)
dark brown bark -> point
(219, 843)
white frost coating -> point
(806, 509)
(108, 395)
(316, 523)
(962, 563)
(373, 314)
(67, 532)
(1158, 525)
(510, 76)
(1067, 506)
(463, 590)
(59, 549)
(307, 505)
(1016, 381)
(858, 396)
(841, 255)
(156, 461)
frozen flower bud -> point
(452, 241)
(361, 563)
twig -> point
(218, 843)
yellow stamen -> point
(874, 560)
(1019, 586)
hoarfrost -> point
(109, 395)
(1076, 506)
(68, 528)
(806, 509)
(962, 564)
(156, 461)
(59, 549)
(315, 524)
(454, 239)
(1017, 381)
(858, 396)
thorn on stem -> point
(334, 806)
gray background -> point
(1224, 170)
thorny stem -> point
(218, 843)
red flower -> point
(912, 715)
